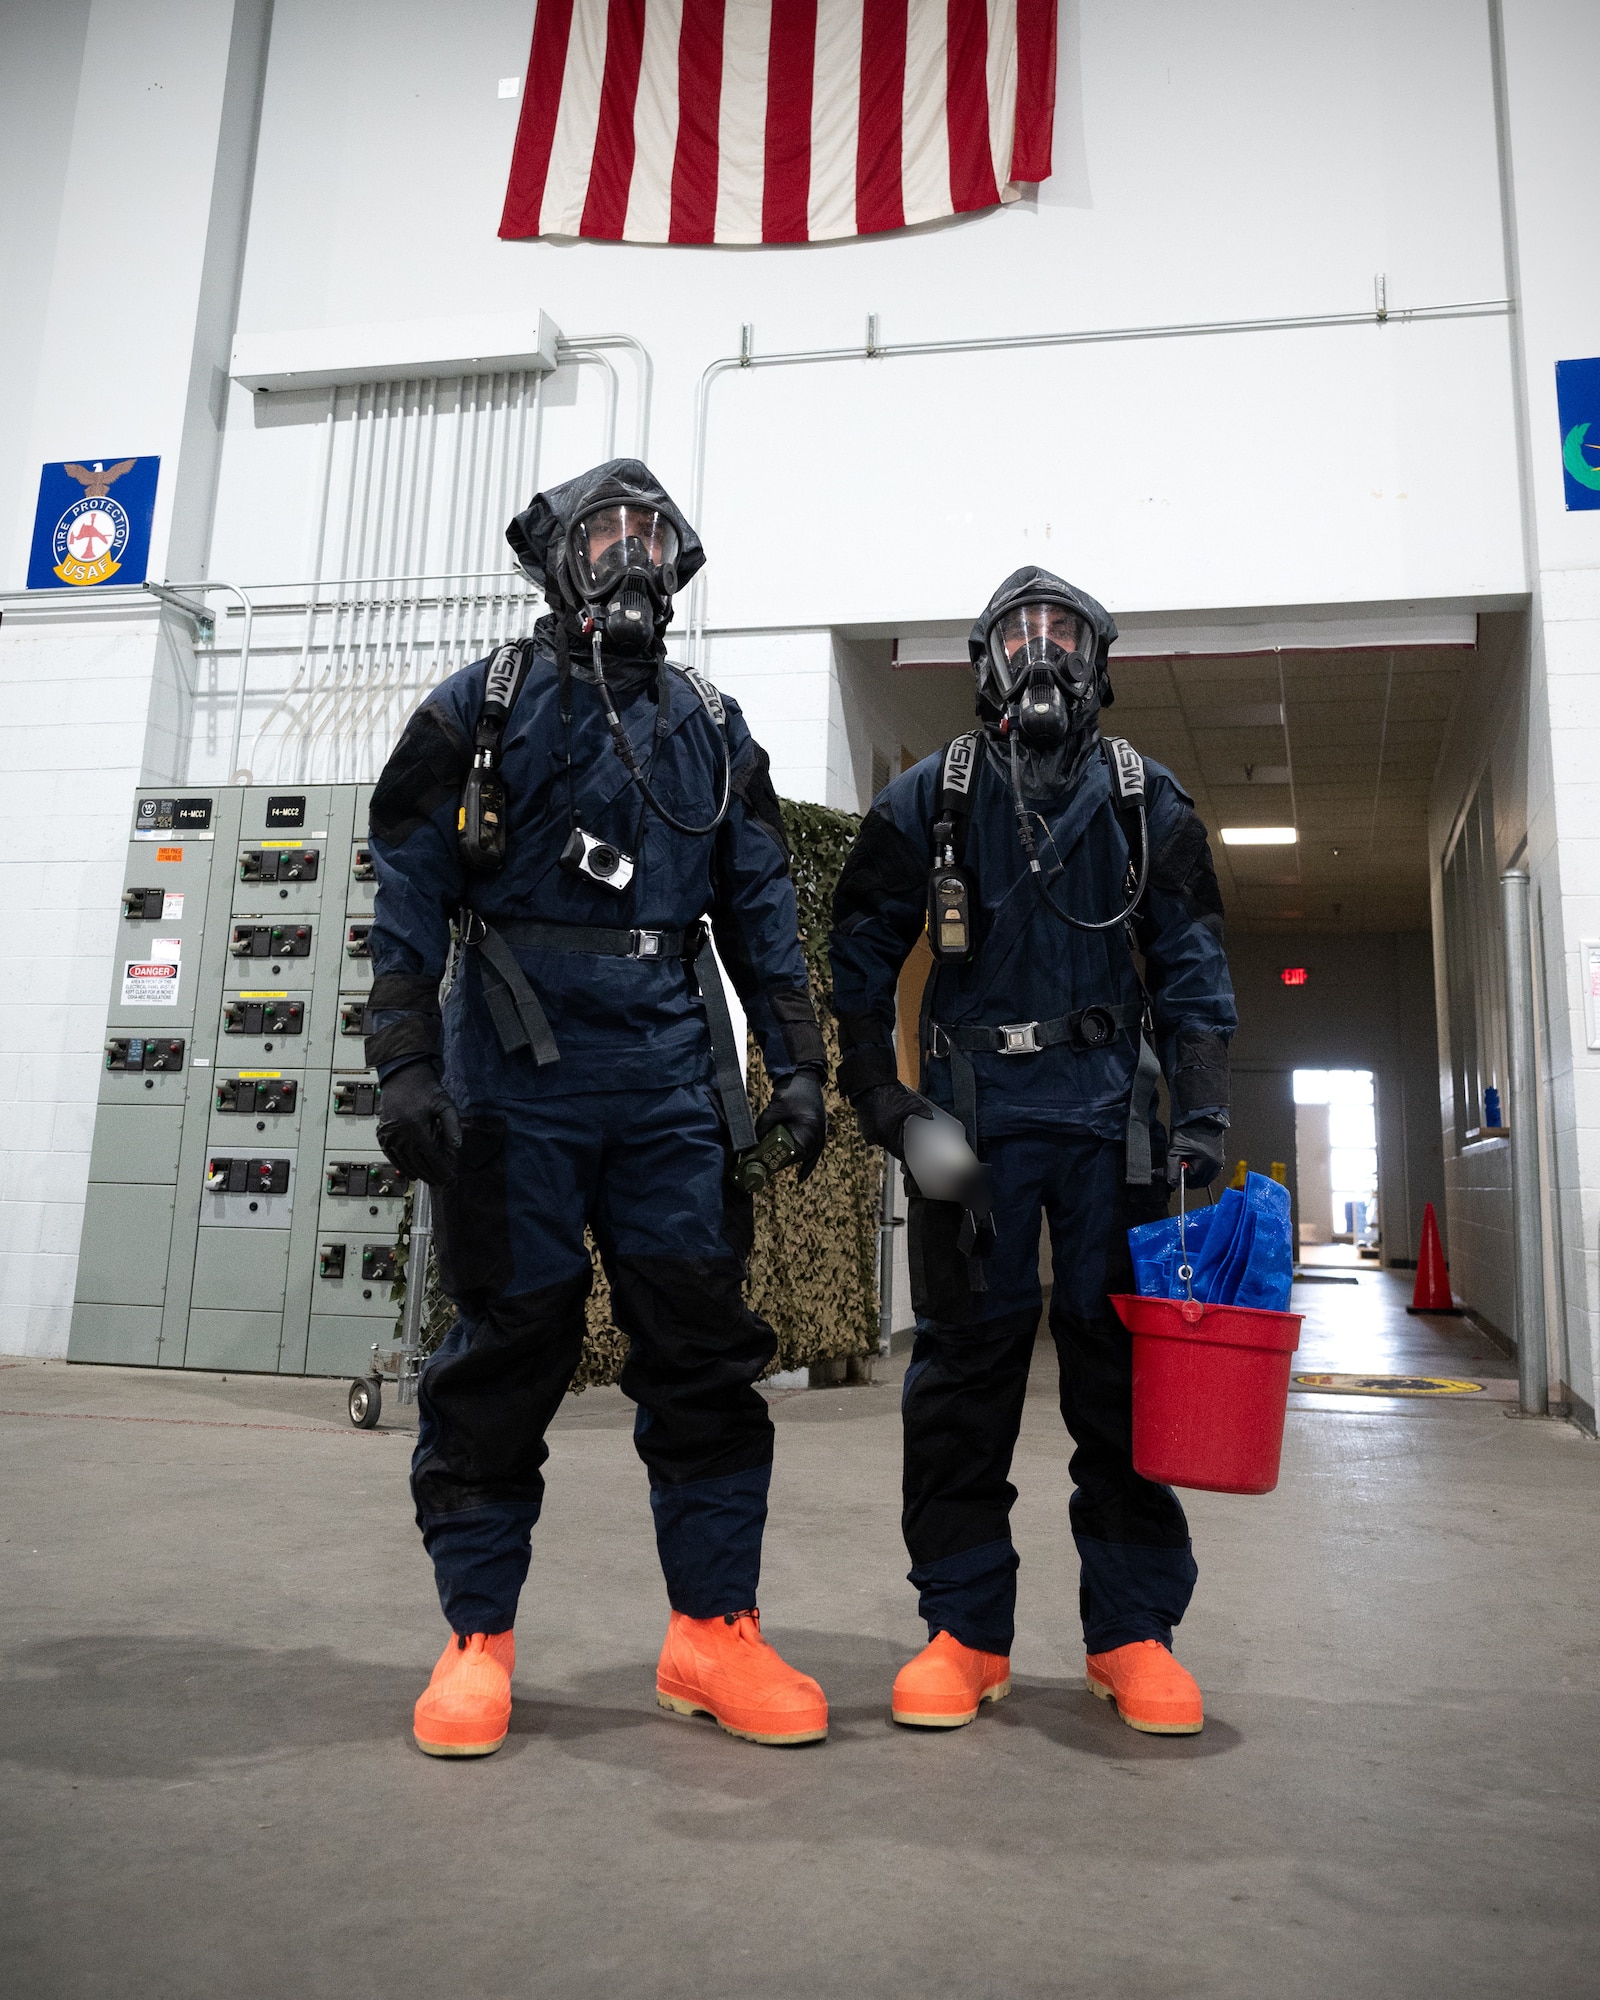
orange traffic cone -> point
(1432, 1293)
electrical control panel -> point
(240, 1215)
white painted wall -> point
(41, 53)
(1238, 160)
(123, 262)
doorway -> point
(1336, 1165)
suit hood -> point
(538, 535)
(1032, 586)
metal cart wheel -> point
(366, 1402)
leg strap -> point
(726, 1056)
(1141, 1109)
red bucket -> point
(1210, 1389)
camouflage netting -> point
(813, 1273)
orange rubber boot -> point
(947, 1683)
(465, 1710)
(1151, 1690)
(722, 1667)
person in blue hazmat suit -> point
(1068, 892)
(557, 824)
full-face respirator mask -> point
(1041, 684)
(1040, 673)
(621, 561)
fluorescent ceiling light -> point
(1259, 836)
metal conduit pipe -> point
(166, 592)
(1381, 314)
(1527, 1233)
(594, 341)
(354, 595)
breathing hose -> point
(1030, 850)
(625, 751)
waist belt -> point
(521, 1023)
(1089, 1028)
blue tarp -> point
(1241, 1250)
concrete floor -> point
(217, 1617)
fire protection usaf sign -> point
(92, 524)
(1578, 403)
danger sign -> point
(150, 983)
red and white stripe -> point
(777, 121)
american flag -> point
(777, 121)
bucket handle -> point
(1189, 1307)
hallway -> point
(219, 1618)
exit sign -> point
(1293, 975)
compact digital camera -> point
(598, 859)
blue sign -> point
(92, 524)
(1578, 401)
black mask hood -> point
(538, 535)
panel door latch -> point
(271, 864)
(366, 1178)
(129, 1052)
(255, 1094)
(229, 1176)
(264, 1017)
(271, 941)
(355, 1100)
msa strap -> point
(710, 699)
(952, 898)
(501, 683)
(1127, 770)
(956, 774)
(481, 820)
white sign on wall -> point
(1589, 959)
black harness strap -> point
(1127, 791)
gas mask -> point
(622, 561)
(1040, 674)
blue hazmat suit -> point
(623, 1131)
(1052, 1122)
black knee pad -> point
(487, 1397)
(696, 1350)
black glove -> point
(1198, 1146)
(883, 1110)
(418, 1128)
(797, 1105)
